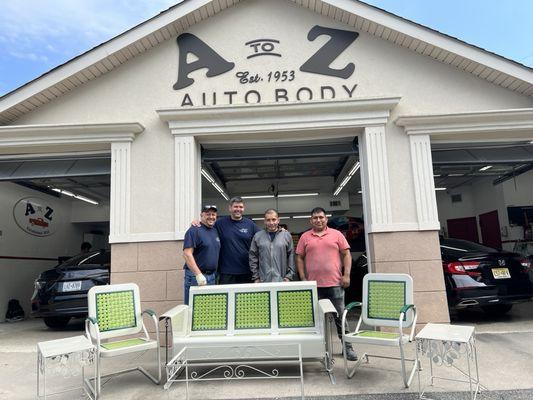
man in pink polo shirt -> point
(323, 255)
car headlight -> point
(38, 284)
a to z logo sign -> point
(34, 216)
(319, 62)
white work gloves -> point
(200, 279)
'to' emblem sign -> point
(35, 216)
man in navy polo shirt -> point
(201, 248)
(236, 233)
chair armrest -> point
(353, 304)
(149, 312)
(178, 317)
(91, 321)
(326, 306)
(404, 311)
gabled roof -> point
(177, 19)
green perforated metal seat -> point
(387, 303)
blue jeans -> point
(190, 280)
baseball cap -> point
(207, 207)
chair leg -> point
(407, 380)
(157, 380)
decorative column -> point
(426, 202)
(375, 179)
(188, 184)
(119, 220)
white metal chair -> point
(387, 302)
(115, 312)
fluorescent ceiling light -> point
(439, 189)
(347, 178)
(261, 196)
(298, 194)
(210, 179)
(455, 174)
(436, 175)
(76, 196)
(262, 218)
(360, 191)
(354, 169)
(270, 196)
(306, 216)
(486, 168)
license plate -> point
(71, 286)
(501, 273)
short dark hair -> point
(86, 246)
(271, 210)
(317, 210)
(236, 199)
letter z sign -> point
(318, 63)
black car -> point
(61, 292)
(474, 275)
(480, 276)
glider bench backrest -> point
(268, 308)
(248, 314)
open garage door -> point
(484, 198)
(292, 178)
(50, 205)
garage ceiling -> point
(87, 175)
(308, 166)
(454, 165)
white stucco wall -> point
(135, 90)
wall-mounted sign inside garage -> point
(35, 216)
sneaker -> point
(351, 355)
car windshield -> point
(94, 257)
(460, 247)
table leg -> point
(418, 370)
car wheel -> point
(56, 322)
(497, 309)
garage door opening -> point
(292, 178)
(50, 205)
(485, 206)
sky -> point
(38, 35)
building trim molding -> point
(273, 118)
(67, 134)
(484, 122)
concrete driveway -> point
(504, 347)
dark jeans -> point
(230, 279)
(336, 295)
(190, 280)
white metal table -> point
(215, 363)
(446, 345)
(65, 358)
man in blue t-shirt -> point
(236, 233)
(201, 248)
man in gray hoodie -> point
(271, 253)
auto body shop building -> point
(228, 76)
